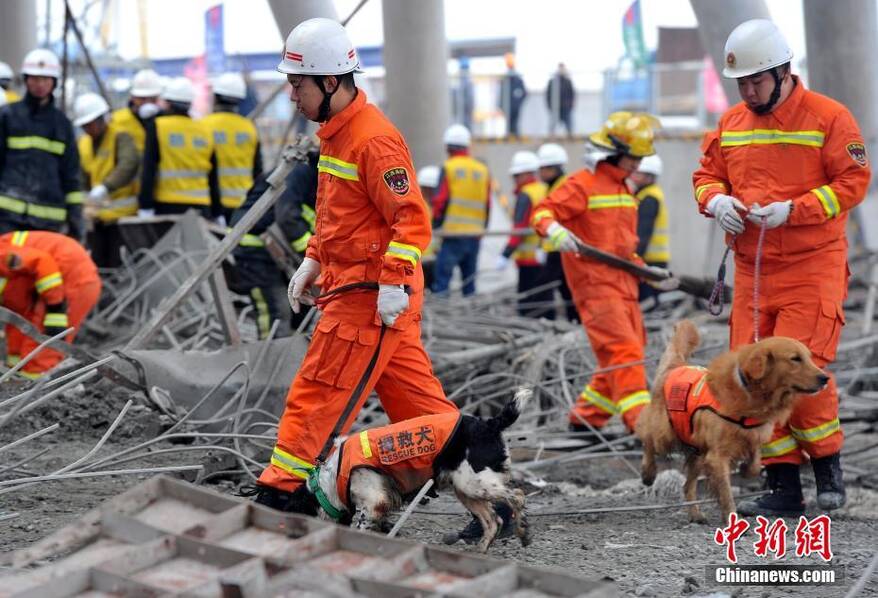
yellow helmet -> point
(627, 133)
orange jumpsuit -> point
(372, 225)
(405, 451)
(687, 392)
(598, 208)
(55, 269)
(809, 149)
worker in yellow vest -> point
(143, 105)
(179, 162)
(525, 249)
(428, 181)
(461, 208)
(110, 163)
(653, 243)
(6, 77)
(235, 140)
(553, 162)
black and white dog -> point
(365, 480)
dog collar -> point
(325, 504)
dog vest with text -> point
(686, 393)
(404, 451)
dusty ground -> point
(647, 553)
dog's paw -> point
(648, 478)
(697, 518)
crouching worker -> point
(49, 279)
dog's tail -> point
(685, 340)
(512, 409)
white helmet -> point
(318, 47)
(230, 85)
(6, 71)
(146, 84)
(179, 89)
(428, 176)
(524, 162)
(458, 136)
(755, 46)
(651, 165)
(41, 63)
(552, 154)
(88, 107)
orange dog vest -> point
(686, 392)
(405, 451)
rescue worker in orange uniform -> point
(596, 207)
(372, 226)
(793, 161)
(526, 249)
(49, 279)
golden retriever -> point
(753, 387)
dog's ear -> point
(756, 363)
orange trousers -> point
(614, 326)
(343, 364)
(800, 300)
(80, 301)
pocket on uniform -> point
(827, 329)
(338, 354)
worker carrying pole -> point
(372, 226)
(780, 175)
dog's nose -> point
(822, 379)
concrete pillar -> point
(415, 62)
(842, 41)
(715, 22)
(288, 14)
(18, 30)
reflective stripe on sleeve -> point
(49, 282)
(56, 320)
(828, 200)
(410, 253)
(290, 463)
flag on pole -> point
(632, 34)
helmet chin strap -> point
(323, 112)
(773, 98)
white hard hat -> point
(146, 84)
(41, 63)
(6, 71)
(88, 107)
(230, 85)
(651, 165)
(179, 89)
(457, 135)
(552, 154)
(428, 176)
(755, 46)
(318, 47)
(524, 162)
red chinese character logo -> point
(814, 537)
(729, 535)
(772, 538)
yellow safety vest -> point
(234, 139)
(185, 148)
(468, 195)
(98, 165)
(125, 120)
(659, 247)
(527, 249)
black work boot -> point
(785, 496)
(830, 486)
(298, 501)
(473, 531)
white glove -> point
(300, 284)
(392, 301)
(148, 110)
(220, 220)
(668, 283)
(561, 238)
(775, 213)
(501, 262)
(98, 193)
(725, 209)
(148, 213)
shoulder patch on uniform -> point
(397, 180)
(857, 152)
